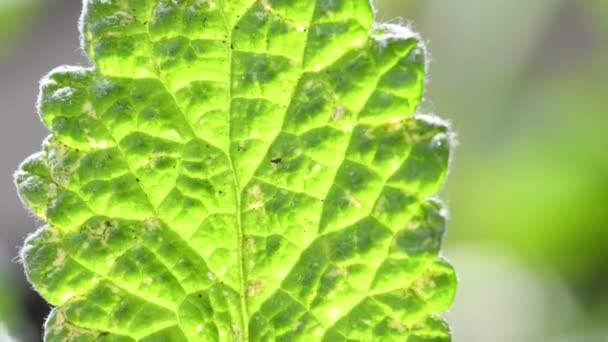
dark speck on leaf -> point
(276, 161)
(137, 179)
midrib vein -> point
(244, 336)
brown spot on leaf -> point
(254, 287)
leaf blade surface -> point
(239, 170)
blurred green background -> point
(525, 84)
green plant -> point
(239, 170)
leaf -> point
(239, 171)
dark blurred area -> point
(524, 84)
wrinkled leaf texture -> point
(239, 170)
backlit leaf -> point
(239, 170)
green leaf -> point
(239, 171)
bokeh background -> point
(525, 84)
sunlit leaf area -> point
(239, 171)
(523, 84)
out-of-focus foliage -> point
(534, 183)
(14, 17)
(9, 318)
(546, 179)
